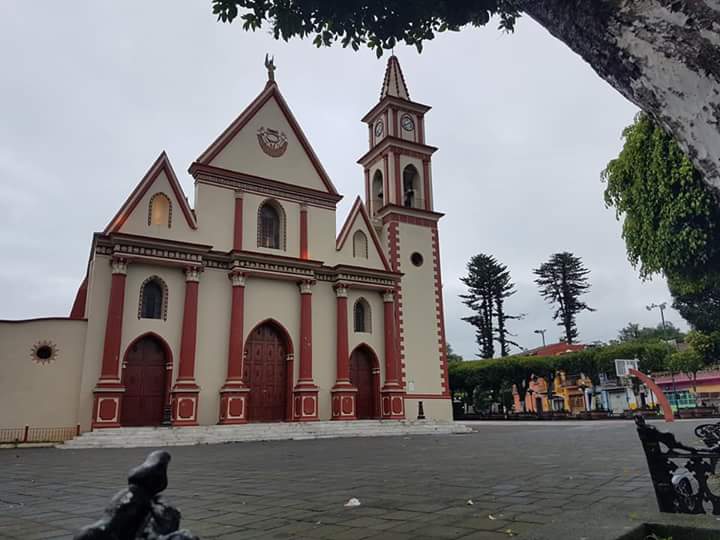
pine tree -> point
(489, 284)
(562, 280)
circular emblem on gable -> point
(43, 352)
(272, 141)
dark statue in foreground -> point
(138, 511)
(684, 477)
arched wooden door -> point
(144, 378)
(361, 378)
(265, 372)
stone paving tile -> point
(415, 487)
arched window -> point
(361, 316)
(360, 245)
(159, 210)
(271, 226)
(153, 299)
(377, 191)
(411, 187)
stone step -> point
(128, 437)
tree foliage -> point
(452, 357)
(671, 219)
(379, 24)
(494, 375)
(489, 285)
(634, 331)
(697, 298)
(562, 280)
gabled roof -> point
(271, 90)
(394, 82)
(162, 164)
(358, 209)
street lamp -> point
(661, 306)
(542, 333)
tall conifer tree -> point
(489, 284)
(562, 280)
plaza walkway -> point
(519, 478)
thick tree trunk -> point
(663, 55)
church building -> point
(248, 306)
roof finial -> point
(270, 65)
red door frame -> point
(375, 370)
(168, 364)
(290, 361)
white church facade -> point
(248, 307)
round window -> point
(416, 259)
(43, 352)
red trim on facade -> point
(304, 233)
(386, 181)
(412, 220)
(359, 208)
(367, 186)
(113, 328)
(396, 144)
(396, 132)
(394, 100)
(440, 313)
(391, 377)
(238, 223)
(305, 374)
(302, 193)
(421, 128)
(162, 163)
(236, 347)
(78, 308)
(342, 353)
(398, 180)
(426, 183)
(271, 90)
(188, 340)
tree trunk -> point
(663, 55)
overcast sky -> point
(93, 91)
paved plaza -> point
(521, 479)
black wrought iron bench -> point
(684, 477)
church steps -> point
(188, 436)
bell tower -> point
(399, 198)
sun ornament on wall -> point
(44, 352)
(272, 141)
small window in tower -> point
(377, 191)
(361, 316)
(159, 210)
(410, 186)
(271, 225)
(360, 245)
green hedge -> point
(498, 374)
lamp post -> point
(542, 333)
(661, 306)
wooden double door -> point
(265, 373)
(362, 378)
(144, 377)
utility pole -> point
(542, 333)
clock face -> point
(407, 122)
(379, 128)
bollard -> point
(421, 412)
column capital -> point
(119, 265)
(303, 207)
(306, 286)
(237, 278)
(388, 296)
(341, 290)
(239, 193)
(192, 273)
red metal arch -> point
(659, 394)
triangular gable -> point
(160, 167)
(358, 219)
(238, 148)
